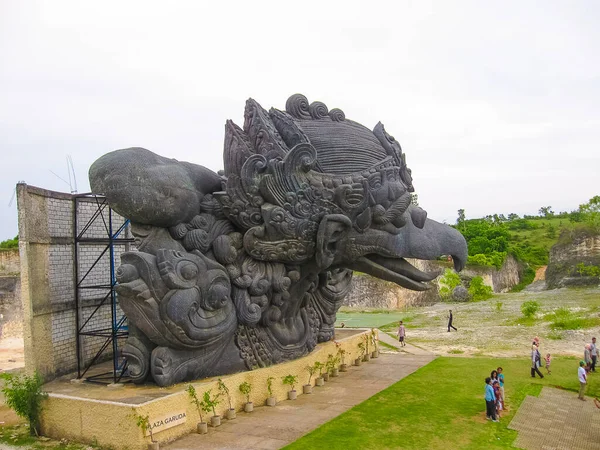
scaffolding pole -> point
(108, 336)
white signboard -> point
(167, 421)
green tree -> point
(10, 243)
(480, 291)
(591, 212)
(546, 211)
(24, 395)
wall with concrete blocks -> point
(48, 278)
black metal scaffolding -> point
(109, 336)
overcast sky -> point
(497, 106)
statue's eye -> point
(375, 181)
(188, 271)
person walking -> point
(594, 354)
(582, 380)
(450, 317)
(535, 361)
(587, 357)
(490, 401)
(401, 334)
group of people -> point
(536, 359)
(494, 395)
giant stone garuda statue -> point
(248, 268)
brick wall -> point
(48, 248)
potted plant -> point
(271, 400)
(245, 388)
(224, 390)
(335, 361)
(291, 381)
(366, 355)
(375, 352)
(307, 388)
(361, 352)
(319, 381)
(342, 356)
(143, 422)
(208, 404)
(202, 427)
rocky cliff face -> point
(573, 248)
(369, 292)
(11, 311)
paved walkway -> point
(275, 427)
(557, 420)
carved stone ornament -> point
(248, 268)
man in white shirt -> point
(594, 354)
(582, 380)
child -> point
(501, 381)
(498, 403)
(401, 334)
(548, 360)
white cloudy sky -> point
(497, 104)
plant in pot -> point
(209, 403)
(319, 381)
(202, 427)
(366, 355)
(342, 355)
(375, 341)
(307, 388)
(271, 400)
(291, 381)
(361, 352)
(224, 390)
(246, 388)
(327, 367)
(143, 422)
(335, 362)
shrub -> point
(449, 281)
(529, 308)
(526, 279)
(478, 290)
(587, 271)
(246, 388)
(24, 395)
(499, 306)
(10, 243)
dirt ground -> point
(496, 327)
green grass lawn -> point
(369, 319)
(441, 406)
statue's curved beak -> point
(419, 239)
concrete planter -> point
(344, 368)
(357, 362)
(335, 372)
(367, 358)
(307, 389)
(319, 381)
(153, 446)
(271, 401)
(215, 421)
(375, 354)
(249, 407)
(292, 395)
(230, 414)
(202, 428)
(326, 376)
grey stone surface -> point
(249, 268)
(460, 294)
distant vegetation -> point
(10, 243)
(527, 238)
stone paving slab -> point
(275, 427)
(557, 420)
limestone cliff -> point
(574, 247)
(369, 292)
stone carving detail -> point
(248, 268)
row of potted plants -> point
(331, 368)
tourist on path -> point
(450, 321)
(587, 357)
(535, 361)
(401, 334)
(490, 401)
(582, 380)
(548, 361)
(594, 354)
